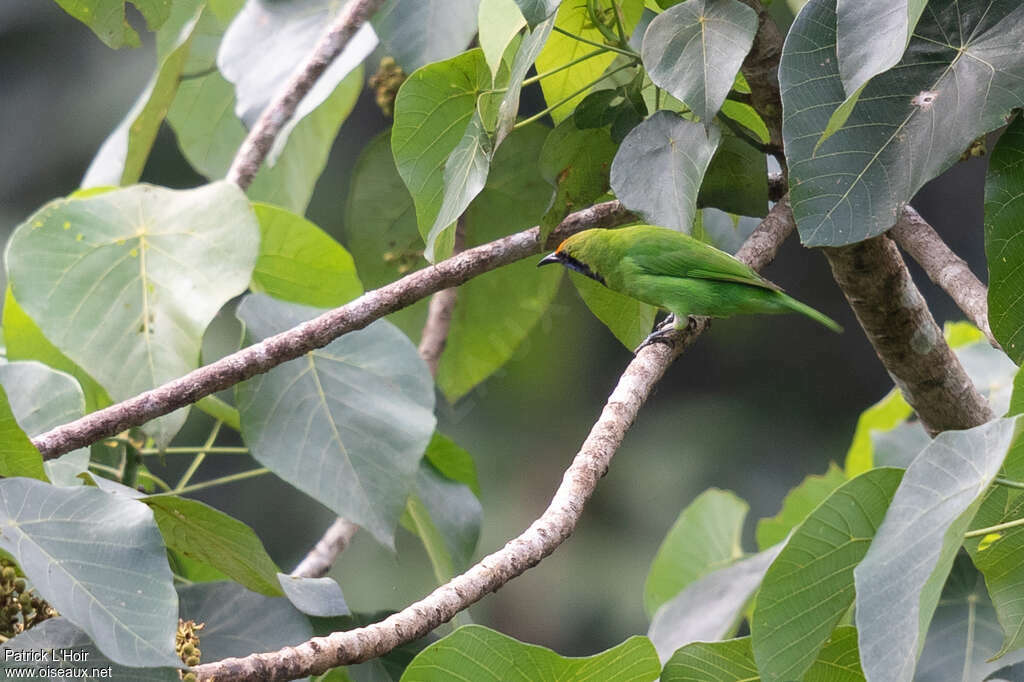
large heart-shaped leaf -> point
(536, 11)
(900, 579)
(694, 50)
(433, 110)
(126, 282)
(958, 79)
(797, 505)
(18, 457)
(420, 32)
(100, 561)
(470, 653)
(346, 424)
(499, 22)
(659, 168)
(1004, 250)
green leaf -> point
(267, 41)
(301, 263)
(40, 399)
(106, 18)
(694, 50)
(125, 283)
(499, 22)
(736, 180)
(957, 80)
(900, 579)
(882, 416)
(533, 42)
(18, 457)
(123, 155)
(659, 168)
(198, 531)
(871, 37)
(561, 49)
(998, 560)
(733, 660)
(380, 228)
(536, 11)
(209, 134)
(346, 424)
(465, 174)
(628, 319)
(709, 608)
(60, 633)
(964, 635)
(704, 538)
(452, 461)
(799, 503)
(25, 341)
(1004, 212)
(473, 652)
(320, 597)
(809, 587)
(495, 312)
(433, 110)
(99, 560)
(239, 622)
(577, 162)
(420, 32)
(191, 570)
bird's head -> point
(575, 254)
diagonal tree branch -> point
(316, 333)
(543, 536)
(906, 338)
(945, 268)
(261, 138)
(318, 562)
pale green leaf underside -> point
(420, 32)
(125, 283)
(100, 561)
(346, 424)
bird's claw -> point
(666, 332)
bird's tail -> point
(797, 306)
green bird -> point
(675, 272)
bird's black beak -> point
(554, 257)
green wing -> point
(660, 251)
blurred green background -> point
(753, 407)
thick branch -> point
(316, 333)
(261, 138)
(538, 541)
(761, 70)
(945, 268)
(439, 315)
(899, 325)
(318, 562)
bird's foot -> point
(666, 332)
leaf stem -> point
(568, 98)
(981, 532)
(200, 456)
(213, 482)
(190, 449)
(1009, 483)
(742, 133)
(563, 67)
(142, 473)
(627, 53)
(218, 409)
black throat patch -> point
(581, 268)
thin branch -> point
(945, 268)
(316, 333)
(318, 562)
(439, 315)
(261, 138)
(543, 536)
(899, 325)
